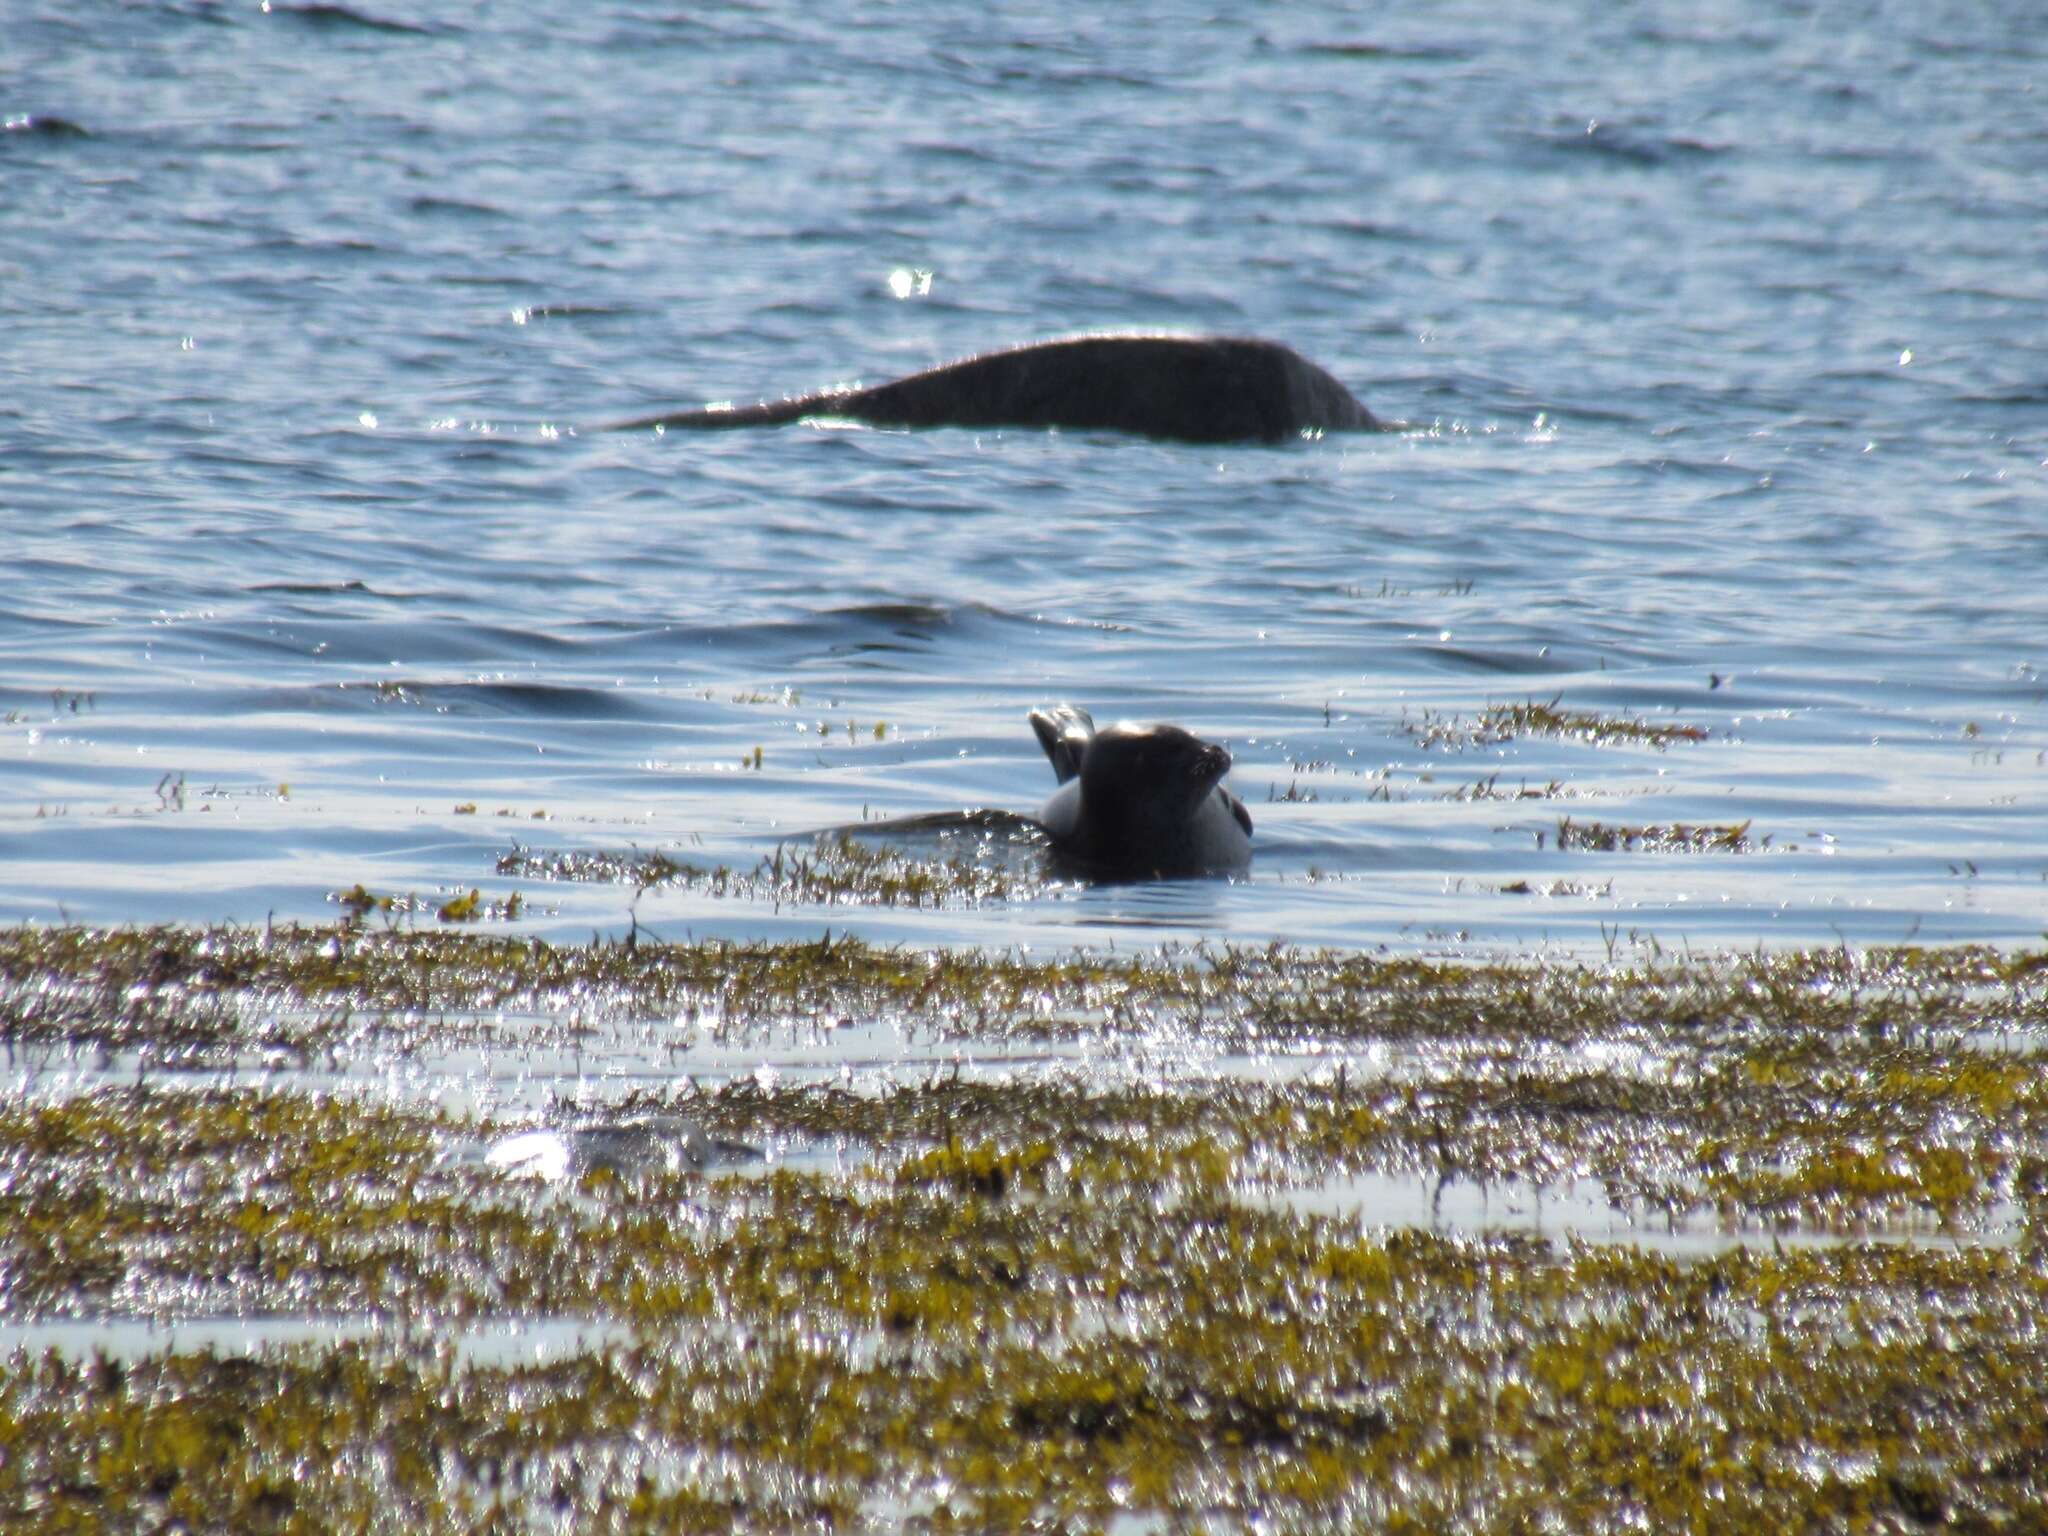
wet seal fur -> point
(1139, 802)
(1202, 389)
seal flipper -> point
(769, 413)
(1064, 732)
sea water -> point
(1722, 333)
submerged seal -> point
(1139, 802)
(1204, 389)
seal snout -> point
(1211, 763)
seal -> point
(1139, 802)
(1200, 389)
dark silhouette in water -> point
(1135, 802)
(1203, 389)
(1139, 802)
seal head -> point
(1139, 802)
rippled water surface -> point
(1724, 335)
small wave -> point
(2020, 395)
(551, 701)
(519, 701)
(345, 17)
(526, 701)
(947, 149)
(1419, 53)
(308, 588)
(528, 312)
(1630, 147)
(1370, 229)
(457, 206)
(314, 249)
(1491, 662)
(867, 628)
(45, 127)
(857, 630)
(1083, 77)
(924, 614)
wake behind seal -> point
(1139, 802)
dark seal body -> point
(1201, 389)
(1139, 802)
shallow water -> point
(1722, 338)
(1725, 335)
